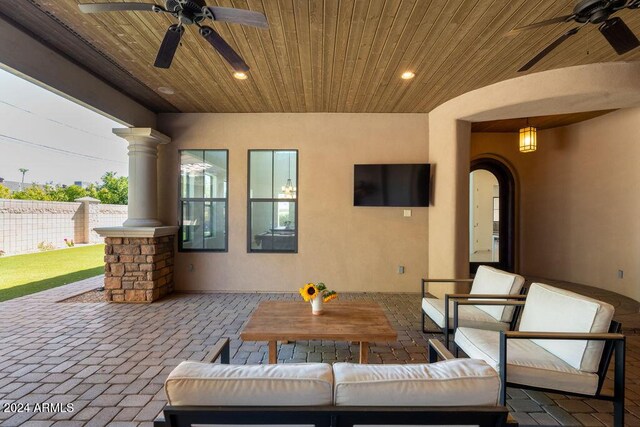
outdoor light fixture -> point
(528, 139)
(240, 75)
(408, 75)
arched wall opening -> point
(569, 90)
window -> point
(273, 201)
(203, 200)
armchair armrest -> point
(425, 281)
(220, 350)
(486, 296)
(619, 346)
(564, 335)
(491, 301)
(437, 349)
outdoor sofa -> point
(449, 392)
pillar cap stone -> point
(136, 231)
(149, 133)
(87, 200)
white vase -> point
(316, 305)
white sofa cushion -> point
(550, 309)
(292, 384)
(456, 382)
(489, 280)
(527, 362)
(468, 315)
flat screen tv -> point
(391, 185)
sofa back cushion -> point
(458, 382)
(489, 280)
(550, 309)
(206, 384)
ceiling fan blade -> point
(224, 49)
(633, 4)
(169, 46)
(238, 16)
(619, 35)
(115, 7)
(557, 20)
(547, 50)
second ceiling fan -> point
(599, 12)
(190, 12)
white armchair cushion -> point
(458, 382)
(549, 309)
(468, 315)
(206, 384)
(489, 280)
(527, 363)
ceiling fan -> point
(190, 12)
(617, 33)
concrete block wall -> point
(26, 223)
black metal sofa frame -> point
(333, 416)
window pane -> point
(215, 225)
(284, 183)
(273, 226)
(215, 174)
(260, 175)
(203, 225)
(193, 224)
(191, 173)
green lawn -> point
(25, 274)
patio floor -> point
(110, 360)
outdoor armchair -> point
(488, 283)
(565, 344)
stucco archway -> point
(567, 90)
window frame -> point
(204, 200)
(272, 200)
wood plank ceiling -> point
(539, 122)
(319, 55)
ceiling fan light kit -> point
(598, 12)
(190, 12)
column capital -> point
(144, 134)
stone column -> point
(139, 255)
(143, 175)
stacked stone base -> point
(138, 270)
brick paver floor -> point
(110, 360)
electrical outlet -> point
(191, 267)
(401, 269)
(407, 212)
(620, 274)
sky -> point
(58, 140)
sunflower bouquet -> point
(311, 291)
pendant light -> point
(288, 189)
(528, 139)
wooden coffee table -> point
(275, 321)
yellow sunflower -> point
(309, 292)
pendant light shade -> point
(528, 139)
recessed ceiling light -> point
(166, 90)
(408, 75)
(240, 75)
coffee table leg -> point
(273, 352)
(364, 352)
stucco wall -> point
(25, 223)
(349, 248)
(579, 200)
